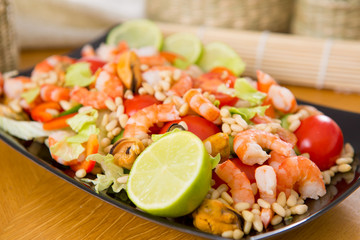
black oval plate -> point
(342, 184)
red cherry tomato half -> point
(138, 102)
(247, 169)
(322, 138)
(197, 125)
(95, 63)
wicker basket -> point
(327, 18)
(8, 46)
(272, 15)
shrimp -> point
(265, 81)
(266, 215)
(202, 106)
(59, 137)
(53, 93)
(282, 99)
(88, 51)
(152, 61)
(138, 125)
(56, 62)
(14, 87)
(266, 182)
(109, 83)
(275, 160)
(237, 181)
(94, 99)
(302, 174)
(248, 146)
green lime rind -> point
(184, 44)
(217, 54)
(137, 33)
(171, 177)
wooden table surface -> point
(35, 204)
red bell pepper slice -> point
(39, 113)
(58, 123)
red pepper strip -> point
(39, 113)
(92, 147)
(221, 70)
(171, 57)
(58, 123)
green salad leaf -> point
(111, 173)
(215, 160)
(243, 90)
(25, 130)
(249, 113)
(66, 150)
(80, 120)
(31, 94)
(156, 137)
(79, 74)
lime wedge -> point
(218, 54)
(137, 33)
(171, 177)
(184, 44)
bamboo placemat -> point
(290, 59)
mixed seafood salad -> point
(108, 115)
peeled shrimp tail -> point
(138, 125)
(49, 92)
(89, 98)
(201, 105)
(266, 182)
(238, 182)
(302, 173)
(248, 146)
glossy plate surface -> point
(342, 184)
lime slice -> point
(137, 33)
(218, 54)
(184, 44)
(171, 177)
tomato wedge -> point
(197, 125)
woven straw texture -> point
(8, 46)
(327, 18)
(272, 15)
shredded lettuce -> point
(25, 130)
(111, 173)
(84, 125)
(243, 90)
(215, 160)
(80, 120)
(66, 150)
(31, 94)
(249, 113)
(157, 137)
(79, 74)
(84, 134)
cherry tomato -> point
(138, 102)
(95, 63)
(322, 138)
(249, 170)
(211, 81)
(197, 125)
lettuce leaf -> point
(111, 173)
(67, 151)
(84, 134)
(157, 137)
(243, 90)
(79, 74)
(249, 113)
(31, 94)
(25, 130)
(215, 160)
(80, 120)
